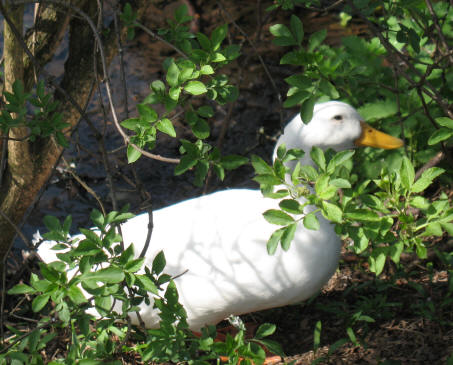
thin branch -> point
(266, 69)
(431, 163)
(438, 28)
(152, 34)
(20, 338)
(16, 228)
(85, 186)
(148, 235)
(426, 86)
(98, 39)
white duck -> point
(220, 238)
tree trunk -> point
(18, 152)
(30, 164)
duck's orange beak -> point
(373, 138)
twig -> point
(84, 185)
(3, 161)
(266, 69)
(20, 338)
(120, 54)
(159, 38)
(104, 69)
(431, 163)
(16, 228)
(148, 235)
(438, 28)
(426, 86)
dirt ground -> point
(410, 310)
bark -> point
(31, 164)
(18, 152)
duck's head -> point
(335, 125)
(339, 126)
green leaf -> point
(201, 170)
(206, 70)
(52, 223)
(76, 295)
(173, 75)
(332, 212)
(109, 275)
(265, 330)
(174, 93)
(448, 227)
(291, 206)
(363, 215)
(217, 36)
(97, 218)
(316, 39)
(147, 284)
(440, 135)
(328, 89)
(159, 263)
(261, 166)
(231, 162)
(317, 155)
(201, 129)
(311, 221)
(288, 236)
(166, 126)
(131, 123)
(376, 262)
(39, 302)
(395, 251)
(134, 265)
(309, 172)
(306, 109)
(158, 86)
(379, 109)
(297, 29)
(132, 154)
(280, 30)
(301, 81)
(204, 41)
(195, 88)
(351, 336)
(281, 151)
(181, 14)
(433, 229)
(267, 179)
(186, 162)
(426, 179)
(341, 183)
(339, 159)
(272, 243)
(419, 202)
(279, 169)
(445, 122)
(205, 111)
(317, 336)
(21, 289)
(278, 217)
(296, 98)
(407, 173)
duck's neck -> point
(294, 137)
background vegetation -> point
(393, 62)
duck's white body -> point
(220, 239)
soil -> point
(397, 321)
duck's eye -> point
(338, 117)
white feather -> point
(220, 239)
